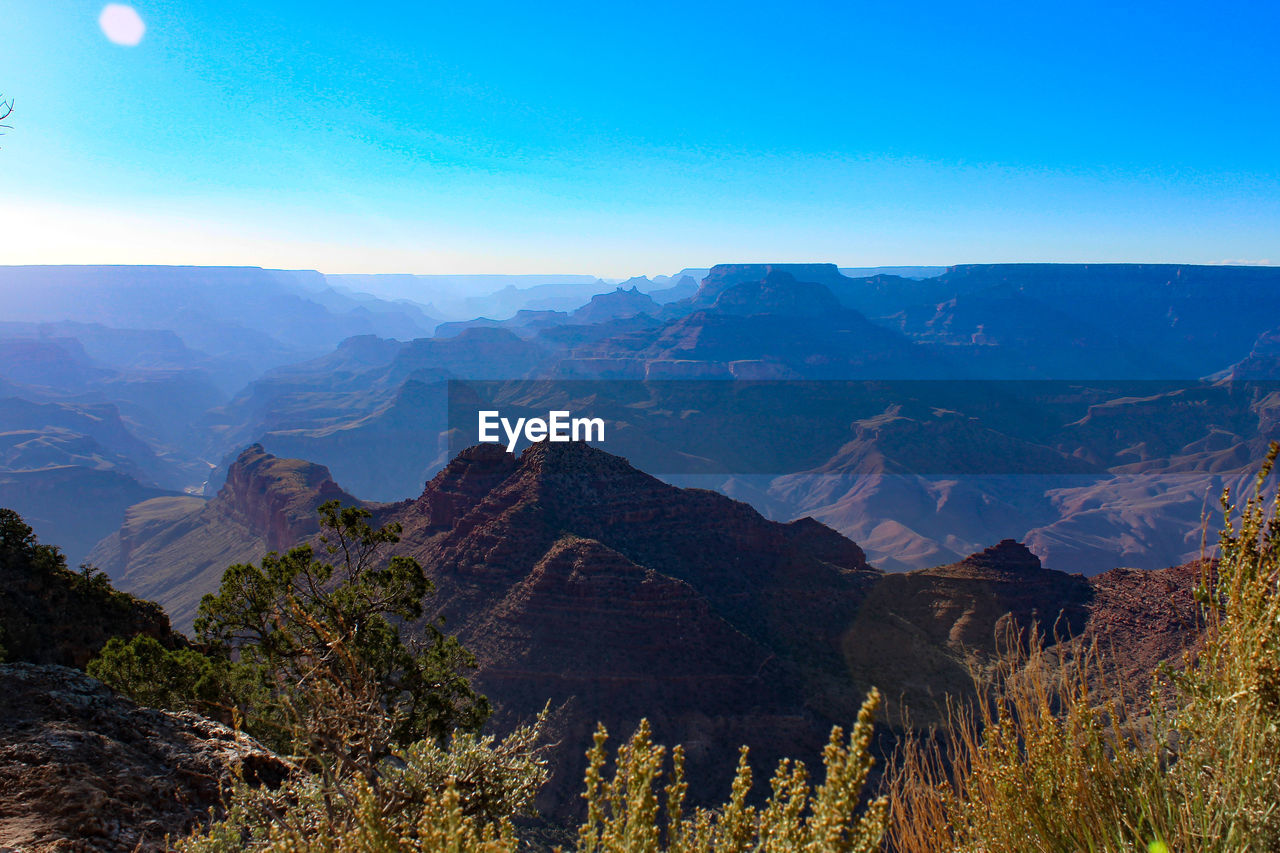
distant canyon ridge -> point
(1094, 412)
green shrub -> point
(310, 657)
(150, 674)
(302, 620)
(459, 796)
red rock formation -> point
(277, 497)
(174, 550)
(576, 578)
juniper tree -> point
(311, 650)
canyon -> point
(579, 580)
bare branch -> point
(6, 110)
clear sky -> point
(620, 138)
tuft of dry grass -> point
(1042, 762)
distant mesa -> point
(616, 305)
(724, 276)
(780, 293)
(683, 288)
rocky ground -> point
(83, 769)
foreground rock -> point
(83, 769)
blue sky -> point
(627, 138)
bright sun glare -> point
(121, 24)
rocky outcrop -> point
(83, 769)
(460, 486)
(1140, 619)
(925, 632)
(174, 550)
(743, 564)
(922, 631)
(1007, 558)
(278, 497)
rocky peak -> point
(493, 520)
(1007, 555)
(615, 305)
(463, 483)
(278, 496)
(575, 458)
(570, 574)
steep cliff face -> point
(174, 550)
(277, 498)
(84, 769)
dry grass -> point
(1043, 762)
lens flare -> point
(121, 24)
